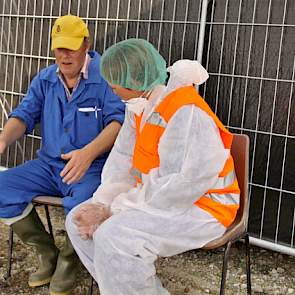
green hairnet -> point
(134, 64)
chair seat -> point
(48, 200)
(234, 232)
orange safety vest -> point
(146, 157)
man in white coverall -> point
(168, 185)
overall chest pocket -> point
(89, 123)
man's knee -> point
(4, 180)
(2, 192)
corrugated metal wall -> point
(249, 53)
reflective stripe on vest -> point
(156, 119)
(224, 181)
(136, 174)
(222, 199)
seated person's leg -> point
(84, 248)
(64, 277)
(128, 243)
(18, 186)
(77, 193)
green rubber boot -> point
(32, 232)
(64, 278)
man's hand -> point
(80, 160)
(89, 217)
(78, 163)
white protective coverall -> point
(159, 218)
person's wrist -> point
(90, 152)
(108, 212)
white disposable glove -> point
(89, 217)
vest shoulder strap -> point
(189, 95)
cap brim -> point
(66, 42)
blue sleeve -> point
(113, 108)
(30, 108)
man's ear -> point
(87, 43)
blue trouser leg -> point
(79, 192)
(19, 185)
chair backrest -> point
(240, 154)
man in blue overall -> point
(80, 118)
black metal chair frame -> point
(45, 201)
(238, 230)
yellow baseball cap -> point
(68, 32)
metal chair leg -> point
(224, 267)
(248, 265)
(48, 221)
(10, 249)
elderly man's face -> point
(70, 62)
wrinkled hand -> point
(78, 163)
(89, 217)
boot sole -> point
(61, 293)
(40, 283)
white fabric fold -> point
(136, 105)
(186, 172)
(186, 72)
(12, 220)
